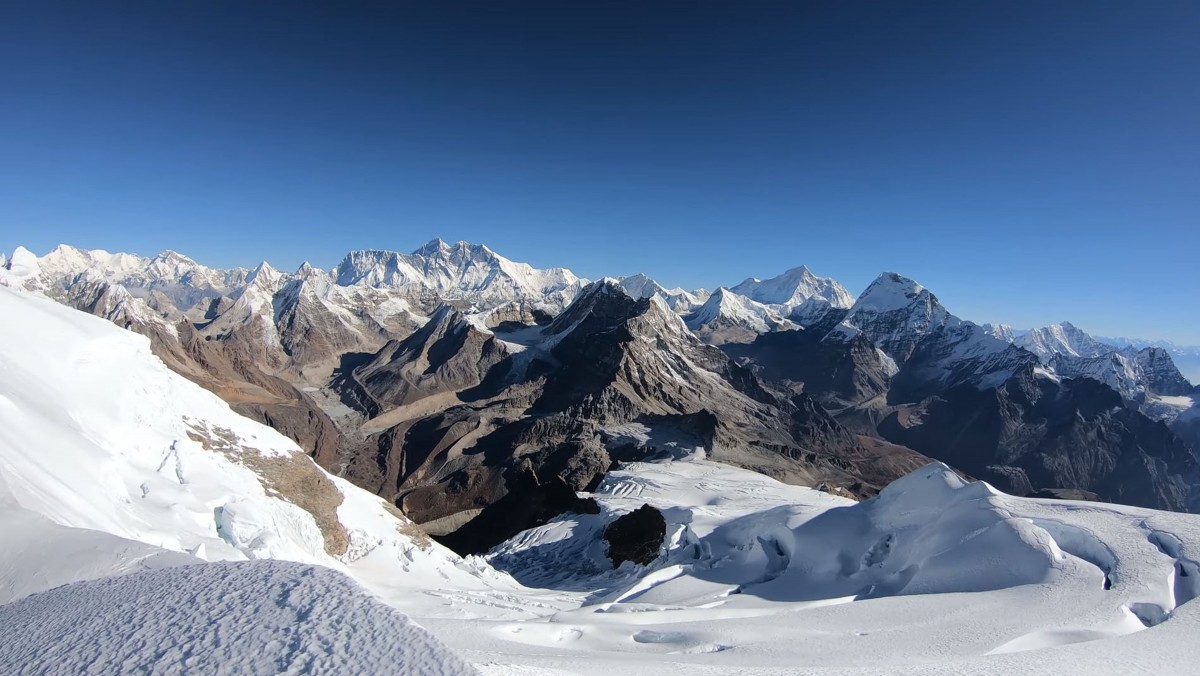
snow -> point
(23, 264)
(793, 288)
(936, 575)
(887, 293)
(729, 308)
(1060, 339)
(679, 300)
(262, 617)
(111, 464)
(463, 270)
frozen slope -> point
(112, 465)
(261, 617)
(936, 575)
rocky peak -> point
(447, 354)
(896, 313)
(1000, 332)
(1063, 338)
(265, 277)
(1158, 372)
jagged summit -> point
(642, 285)
(471, 272)
(264, 275)
(793, 288)
(728, 317)
(891, 291)
(1063, 338)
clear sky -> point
(1028, 161)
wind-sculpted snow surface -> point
(935, 575)
(261, 617)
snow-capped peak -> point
(465, 271)
(794, 288)
(890, 292)
(729, 317)
(1000, 331)
(643, 286)
(1062, 339)
(265, 276)
(23, 264)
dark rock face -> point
(303, 423)
(963, 396)
(1011, 480)
(838, 374)
(608, 360)
(1159, 373)
(636, 536)
(1065, 494)
(1070, 435)
(527, 504)
(445, 355)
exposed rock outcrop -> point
(636, 536)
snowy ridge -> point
(679, 300)
(1071, 352)
(727, 316)
(793, 288)
(468, 271)
(184, 281)
(797, 294)
(1061, 339)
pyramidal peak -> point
(890, 291)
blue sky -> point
(1028, 161)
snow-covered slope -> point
(262, 617)
(112, 464)
(1065, 339)
(679, 300)
(797, 293)
(936, 575)
(728, 317)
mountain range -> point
(449, 378)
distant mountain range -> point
(448, 378)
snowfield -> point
(149, 528)
(260, 617)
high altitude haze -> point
(1033, 162)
